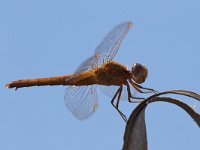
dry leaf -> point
(135, 137)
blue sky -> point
(50, 38)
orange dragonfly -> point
(99, 69)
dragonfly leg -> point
(148, 89)
(119, 95)
(139, 87)
(136, 99)
(119, 91)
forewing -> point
(88, 64)
(109, 46)
(107, 49)
(81, 101)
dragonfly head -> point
(139, 72)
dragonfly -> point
(99, 69)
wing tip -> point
(130, 24)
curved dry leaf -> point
(195, 116)
(179, 92)
(135, 137)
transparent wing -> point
(107, 49)
(109, 46)
(82, 101)
(88, 64)
(111, 90)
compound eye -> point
(137, 70)
(139, 73)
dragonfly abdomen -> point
(85, 78)
(59, 80)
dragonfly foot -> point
(124, 118)
(136, 99)
(155, 92)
